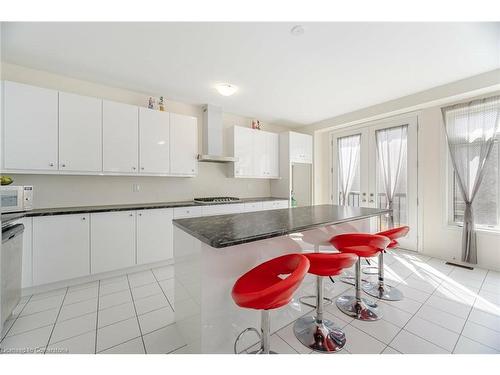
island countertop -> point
(233, 229)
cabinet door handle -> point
(63, 165)
(140, 214)
(130, 215)
(51, 164)
(142, 168)
(133, 168)
(84, 218)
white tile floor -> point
(446, 310)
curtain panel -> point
(471, 130)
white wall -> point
(62, 191)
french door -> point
(375, 165)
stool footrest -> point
(329, 301)
(246, 330)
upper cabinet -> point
(51, 132)
(30, 127)
(183, 144)
(120, 137)
(80, 130)
(242, 141)
(154, 137)
(301, 148)
(257, 152)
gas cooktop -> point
(210, 200)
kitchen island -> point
(211, 253)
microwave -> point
(16, 198)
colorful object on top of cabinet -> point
(256, 124)
(293, 200)
(161, 104)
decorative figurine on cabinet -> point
(256, 124)
(161, 104)
(151, 103)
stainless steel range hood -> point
(212, 147)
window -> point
(486, 205)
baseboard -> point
(87, 279)
(459, 265)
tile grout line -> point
(55, 322)
(416, 312)
(137, 316)
(470, 312)
(158, 282)
(15, 320)
(97, 316)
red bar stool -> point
(363, 245)
(265, 288)
(317, 333)
(380, 289)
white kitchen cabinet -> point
(301, 148)
(61, 248)
(260, 154)
(273, 155)
(274, 205)
(257, 152)
(120, 137)
(154, 141)
(154, 235)
(30, 127)
(183, 145)
(252, 206)
(80, 133)
(244, 151)
(185, 212)
(112, 241)
(222, 209)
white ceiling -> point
(333, 68)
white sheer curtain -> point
(348, 159)
(471, 129)
(391, 152)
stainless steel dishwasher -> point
(11, 264)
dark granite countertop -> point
(234, 229)
(118, 207)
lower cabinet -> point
(65, 247)
(61, 248)
(113, 241)
(154, 235)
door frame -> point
(383, 123)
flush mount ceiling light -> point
(297, 30)
(226, 89)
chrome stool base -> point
(319, 335)
(261, 351)
(361, 309)
(384, 292)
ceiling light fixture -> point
(226, 89)
(297, 30)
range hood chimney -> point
(212, 147)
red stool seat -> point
(364, 245)
(262, 288)
(329, 264)
(393, 234)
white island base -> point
(206, 316)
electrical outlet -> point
(136, 188)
